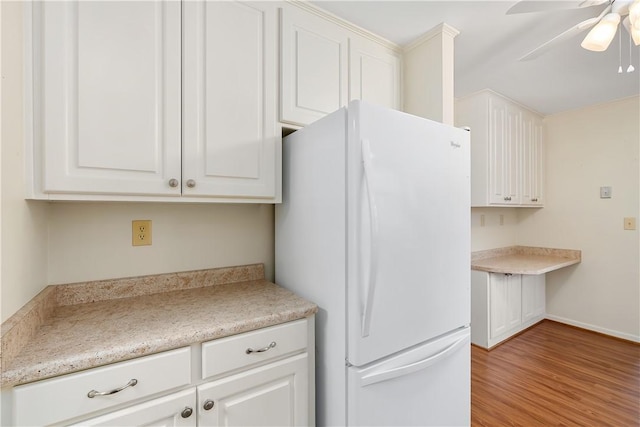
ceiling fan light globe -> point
(600, 36)
(635, 33)
(634, 13)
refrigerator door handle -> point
(376, 377)
(370, 288)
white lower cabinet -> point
(258, 378)
(503, 305)
(174, 410)
(272, 395)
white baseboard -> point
(617, 334)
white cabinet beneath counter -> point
(503, 305)
(158, 109)
(263, 377)
(507, 151)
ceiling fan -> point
(605, 25)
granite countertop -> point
(68, 328)
(524, 259)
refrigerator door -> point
(425, 386)
(408, 231)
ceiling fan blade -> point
(576, 29)
(590, 3)
(528, 6)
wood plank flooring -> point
(556, 375)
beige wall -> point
(500, 228)
(586, 149)
(92, 241)
(24, 224)
(52, 243)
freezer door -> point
(408, 231)
(425, 386)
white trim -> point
(491, 91)
(30, 178)
(617, 334)
(309, 7)
(442, 28)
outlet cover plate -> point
(141, 232)
(630, 223)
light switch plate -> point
(605, 192)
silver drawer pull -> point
(263, 349)
(94, 393)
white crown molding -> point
(442, 28)
(306, 5)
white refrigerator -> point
(375, 228)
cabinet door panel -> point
(504, 140)
(374, 73)
(110, 96)
(532, 160)
(314, 67)
(272, 395)
(162, 412)
(505, 303)
(533, 297)
(230, 142)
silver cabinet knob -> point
(173, 183)
(191, 183)
(186, 412)
(208, 404)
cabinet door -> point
(314, 66)
(271, 395)
(504, 141)
(533, 297)
(505, 303)
(532, 160)
(374, 73)
(108, 96)
(230, 144)
(177, 409)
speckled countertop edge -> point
(524, 259)
(73, 337)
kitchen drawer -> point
(238, 351)
(54, 400)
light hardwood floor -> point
(554, 374)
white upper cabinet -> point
(504, 152)
(140, 100)
(230, 141)
(374, 73)
(314, 55)
(326, 62)
(107, 96)
(507, 151)
(532, 160)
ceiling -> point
(490, 42)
